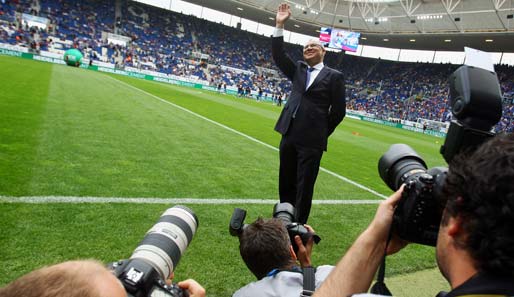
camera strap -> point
(309, 281)
(380, 287)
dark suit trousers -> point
(299, 167)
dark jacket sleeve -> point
(338, 102)
(282, 60)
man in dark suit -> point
(313, 110)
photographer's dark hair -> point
(480, 189)
(264, 246)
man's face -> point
(447, 247)
(313, 52)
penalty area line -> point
(78, 200)
(362, 187)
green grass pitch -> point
(72, 132)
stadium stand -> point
(180, 45)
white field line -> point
(74, 200)
(249, 137)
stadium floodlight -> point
(429, 17)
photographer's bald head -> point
(84, 278)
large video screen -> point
(339, 39)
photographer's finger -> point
(304, 252)
(309, 228)
(393, 199)
(299, 242)
(169, 281)
(193, 287)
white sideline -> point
(87, 199)
(249, 137)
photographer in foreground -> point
(266, 249)
(148, 271)
(83, 278)
(475, 241)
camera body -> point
(287, 214)
(475, 98)
(418, 213)
(155, 258)
(140, 276)
(282, 211)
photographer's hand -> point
(354, 273)
(381, 224)
(305, 251)
(194, 288)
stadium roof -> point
(409, 24)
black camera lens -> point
(285, 212)
(165, 242)
(398, 164)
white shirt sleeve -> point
(278, 32)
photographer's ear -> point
(293, 254)
(454, 227)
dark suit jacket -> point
(320, 108)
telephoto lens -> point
(165, 242)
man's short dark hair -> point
(264, 246)
(480, 190)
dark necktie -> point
(309, 71)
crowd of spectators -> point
(181, 45)
(385, 93)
